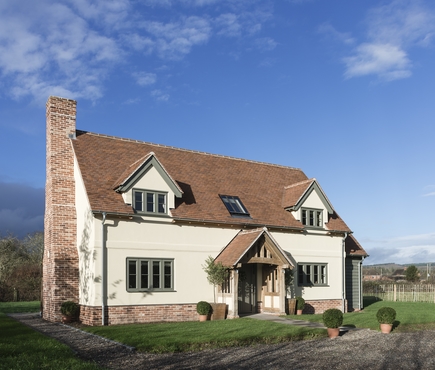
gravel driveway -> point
(360, 349)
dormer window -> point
(234, 205)
(312, 217)
(149, 201)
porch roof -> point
(237, 248)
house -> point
(129, 225)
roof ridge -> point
(188, 150)
(300, 183)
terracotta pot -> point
(67, 319)
(386, 328)
(333, 332)
(203, 317)
(298, 312)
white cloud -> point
(47, 48)
(160, 95)
(175, 39)
(265, 44)
(329, 30)
(144, 78)
(392, 31)
(69, 48)
(388, 61)
(431, 191)
(228, 25)
(404, 249)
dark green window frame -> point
(150, 201)
(312, 217)
(312, 274)
(150, 274)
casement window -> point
(150, 274)
(312, 217)
(150, 201)
(234, 205)
(312, 274)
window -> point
(312, 274)
(234, 205)
(312, 217)
(150, 274)
(149, 201)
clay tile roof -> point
(106, 161)
(236, 249)
(130, 170)
(353, 248)
(293, 193)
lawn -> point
(24, 348)
(188, 336)
(411, 316)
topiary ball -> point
(386, 315)
(333, 318)
(203, 308)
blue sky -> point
(342, 89)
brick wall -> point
(115, 315)
(321, 306)
(60, 264)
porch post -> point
(282, 290)
(235, 291)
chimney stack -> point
(60, 264)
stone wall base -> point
(321, 306)
(116, 315)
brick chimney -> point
(60, 264)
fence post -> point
(394, 293)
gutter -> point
(343, 275)
(103, 272)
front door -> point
(247, 301)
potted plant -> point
(203, 308)
(300, 304)
(386, 317)
(216, 275)
(70, 311)
(333, 319)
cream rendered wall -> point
(313, 201)
(189, 246)
(151, 181)
(315, 248)
(85, 240)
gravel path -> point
(360, 349)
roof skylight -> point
(234, 205)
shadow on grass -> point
(369, 300)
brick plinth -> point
(115, 315)
(60, 264)
(321, 306)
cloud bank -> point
(21, 209)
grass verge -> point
(411, 316)
(24, 348)
(194, 336)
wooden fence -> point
(402, 292)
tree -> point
(412, 274)
(21, 267)
(216, 273)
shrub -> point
(70, 308)
(386, 315)
(333, 318)
(203, 308)
(300, 303)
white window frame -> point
(312, 274)
(148, 283)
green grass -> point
(24, 348)
(193, 336)
(410, 316)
